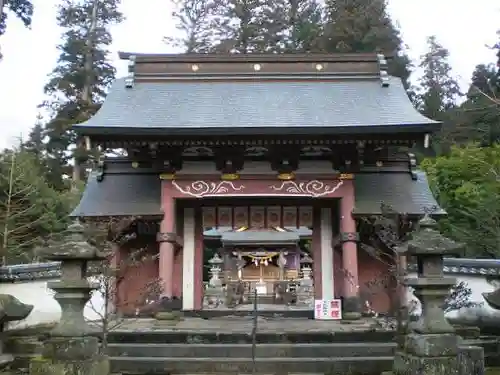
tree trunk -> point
(87, 91)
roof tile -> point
(256, 104)
(398, 190)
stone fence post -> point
(431, 346)
(71, 348)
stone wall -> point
(29, 285)
(481, 276)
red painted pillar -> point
(166, 261)
(349, 238)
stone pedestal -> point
(70, 356)
(471, 360)
(351, 308)
(71, 348)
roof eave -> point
(421, 128)
(259, 243)
(106, 217)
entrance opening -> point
(265, 263)
(256, 257)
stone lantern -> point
(214, 293)
(431, 345)
(71, 348)
(215, 270)
(73, 291)
(431, 287)
(305, 290)
(305, 268)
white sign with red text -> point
(330, 309)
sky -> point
(465, 27)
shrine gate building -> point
(267, 163)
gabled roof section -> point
(256, 94)
(402, 192)
(120, 192)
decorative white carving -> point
(312, 188)
(200, 189)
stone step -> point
(193, 365)
(163, 336)
(367, 349)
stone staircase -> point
(171, 352)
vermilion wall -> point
(136, 277)
(370, 273)
(132, 289)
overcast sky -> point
(465, 27)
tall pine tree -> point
(192, 20)
(365, 26)
(438, 92)
(248, 26)
(77, 86)
(293, 26)
(23, 9)
(240, 26)
(480, 113)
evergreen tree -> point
(30, 210)
(439, 90)
(23, 9)
(293, 26)
(480, 114)
(35, 142)
(78, 84)
(365, 26)
(193, 18)
(247, 26)
(240, 26)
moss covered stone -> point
(45, 366)
(169, 316)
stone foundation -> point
(44, 366)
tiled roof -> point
(339, 105)
(397, 190)
(120, 194)
(267, 237)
